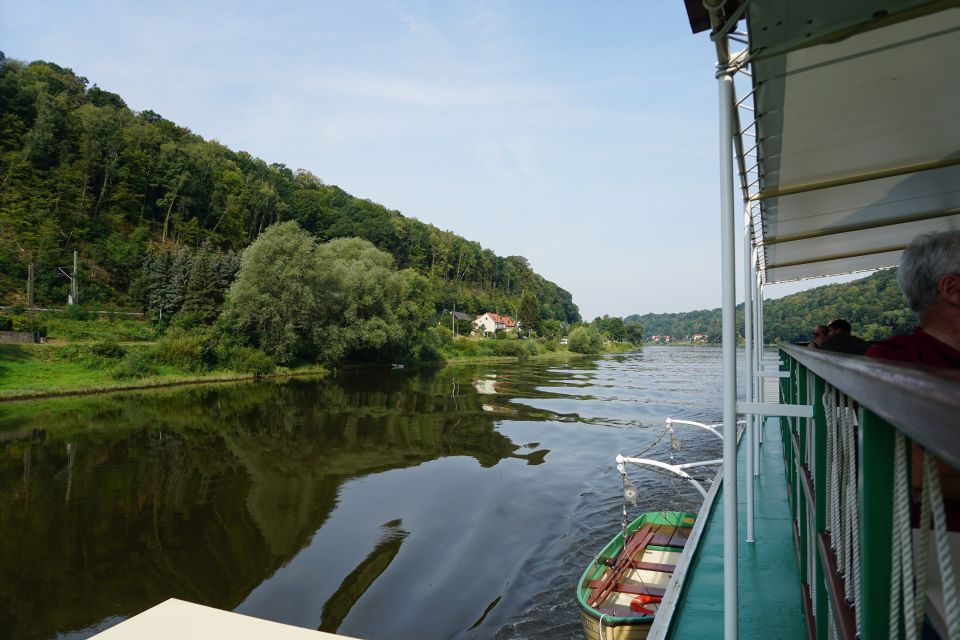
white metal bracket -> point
(772, 409)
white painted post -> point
(729, 296)
(748, 353)
(759, 323)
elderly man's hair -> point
(926, 259)
(840, 324)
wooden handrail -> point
(922, 402)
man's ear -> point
(949, 288)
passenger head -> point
(820, 334)
(930, 271)
(839, 326)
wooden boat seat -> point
(614, 580)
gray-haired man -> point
(929, 277)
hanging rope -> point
(903, 583)
(851, 509)
(922, 548)
(947, 575)
(812, 559)
(832, 628)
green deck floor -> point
(770, 605)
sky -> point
(579, 135)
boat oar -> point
(638, 541)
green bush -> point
(18, 309)
(531, 348)
(507, 348)
(118, 328)
(6, 324)
(22, 323)
(108, 349)
(248, 360)
(467, 347)
(136, 364)
(585, 339)
(190, 350)
(75, 353)
(74, 312)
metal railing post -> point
(728, 273)
(820, 497)
(876, 438)
(803, 527)
(748, 387)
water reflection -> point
(424, 502)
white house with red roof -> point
(489, 323)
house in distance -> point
(489, 323)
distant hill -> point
(80, 170)
(874, 306)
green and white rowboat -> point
(620, 591)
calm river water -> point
(449, 502)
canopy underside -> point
(858, 132)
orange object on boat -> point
(637, 605)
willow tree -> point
(345, 299)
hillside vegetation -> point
(874, 306)
(80, 170)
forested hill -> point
(80, 170)
(874, 306)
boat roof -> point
(854, 128)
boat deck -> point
(768, 573)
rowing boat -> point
(620, 591)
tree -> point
(585, 339)
(345, 299)
(529, 315)
(633, 332)
(371, 311)
(273, 302)
(202, 297)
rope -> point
(895, 541)
(903, 570)
(943, 549)
(811, 559)
(851, 508)
(922, 548)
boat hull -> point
(623, 631)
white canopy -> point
(858, 122)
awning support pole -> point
(729, 295)
(758, 324)
(748, 354)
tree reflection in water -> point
(112, 504)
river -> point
(427, 502)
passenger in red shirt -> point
(929, 277)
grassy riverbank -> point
(37, 371)
(30, 371)
(90, 354)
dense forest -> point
(873, 305)
(139, 196)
